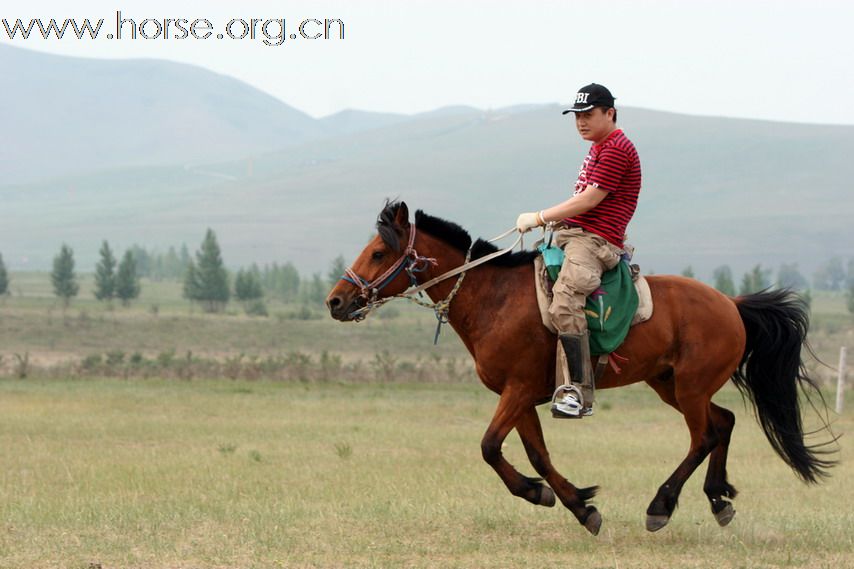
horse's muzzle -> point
(342, 308)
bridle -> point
(410, 261)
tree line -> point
(110, 282)
(206, 281)
(830, 276)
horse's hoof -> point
(594, 522)
(547, 496)
(726, 515)
(656, 522)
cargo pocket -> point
(608, 255)
(576, 279)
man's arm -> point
(576, 205)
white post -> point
(840, 382)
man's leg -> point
(579, 276)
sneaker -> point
(570, 408)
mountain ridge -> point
(716, 190)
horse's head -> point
(380, 269)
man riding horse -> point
(696, 340)
(590, 228)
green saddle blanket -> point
(609, 309)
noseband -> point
(410, 261)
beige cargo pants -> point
(586, 257)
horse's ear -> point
(401, 218)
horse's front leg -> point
(512, 405)
(575, 499)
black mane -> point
(447, 231)
(457, 237)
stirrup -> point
(560, 393)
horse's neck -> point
(447, 259)
(478, 300)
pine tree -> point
(4, 278)
(316, 290)
(830, 275)
(191, 284)
(289, 282)
(211, 278)
(105, 279)
(185, 259)
(63, 278)
(171, 264)
(723, 280)
(255, 288)
(789, 277)
(247, 286)
(248, 290)
(127, 281)
(755, 280)
(240, 286)
(688, 272)
(143, 260)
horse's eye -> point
(378, 255)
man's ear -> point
(402, 216)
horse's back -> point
(678, 298)
(691, 322)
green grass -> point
(33, 321)
(220, 473)
(262, 474)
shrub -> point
(330, 366)
(115, 357)
(299, 363)
(91, 362)
(384, 364)
(166, 359)
(22, 367)
(256, 308)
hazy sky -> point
(771, 60)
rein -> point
(414, 263)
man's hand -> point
(528, 221)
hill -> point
(74, 115)
(716, 190)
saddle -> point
(607, 302)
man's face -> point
(594, 125)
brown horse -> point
(696, 340)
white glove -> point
(528, 221)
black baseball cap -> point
(590, 96)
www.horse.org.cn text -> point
(269, 31)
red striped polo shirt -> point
(612, 165)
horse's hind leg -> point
(531, 433)
(511, 407)
(716, 486)
(695, 407)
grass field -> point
(214, 473)
(359, 466)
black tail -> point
(770, 372)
